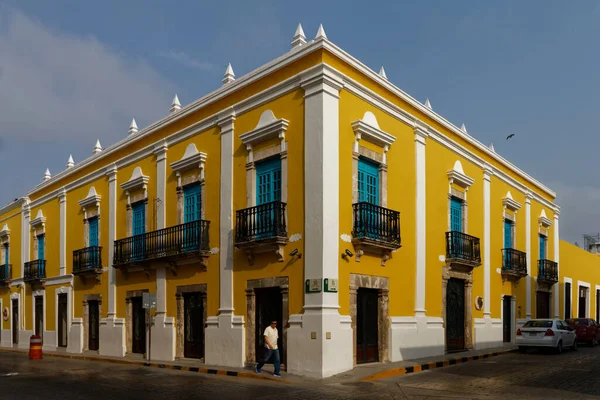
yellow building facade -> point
(311, 191)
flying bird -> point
(509, 136)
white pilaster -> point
(529, 255)
(421, 135)
(487, 178)
(557, 260)
(25, 235)
(225, 332)
(320, 339)
(112, 329)
(62, 198)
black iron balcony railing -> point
(88, 259)
(514, 261)
(191, 237)
(5, 272)
(463, 247)
(260, 222)
(35, 270)
(374, 222)
(547, 270)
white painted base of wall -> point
(163, 339)
(319, 357)
(6, 336)
(49, 341)
(488, 333)
(24, 338)
(75, 342)
(112, 337)
(225, 341)
(416, 337)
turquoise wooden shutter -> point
(368, 181)
(542, 247)
(6, 258)
(41, 245)
(456, 215)
(192, 203)
(93, 231)
(268, 181)
(508, 236)
(139, 218)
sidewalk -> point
(363, 372)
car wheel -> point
(574, 347)
(559, 347)
(523, 349)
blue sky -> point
(72, 72)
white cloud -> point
(579, 210)
(58, 87)
(186, 60)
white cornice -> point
(192, 158)
(268, 127)
(39, 219)
(137, 181)
(543, 220)
(510, 203)
(458, 176)
(91, 200)
(367, 128)
(12, 205)
(5, 232)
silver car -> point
(549, 333)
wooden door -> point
(93, 325)
(138, 318)
(367, 330)
(62, 320)
(193, 325)
(507, 319)
(455, 315)
(15, 321)
(269, 308)
(542, 305)
(39, 317)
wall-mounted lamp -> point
(347, 253)
(295, 252)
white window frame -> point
(457, 176)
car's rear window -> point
(578, 321)
(538, 324)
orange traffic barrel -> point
(35, 347)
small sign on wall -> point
(313, 285)
(331, 285)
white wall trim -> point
(62, 198)
(38, 293)
(487, 232)
(91, 200)
(111, 173)
(528, 251)
(556, 259)
(596, 297)
(69, 292)
(567, 280)
(421, 133)
(587, 298)
(368, 128)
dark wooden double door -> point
(193, 345)
(93, 325)
(367, 330)
(542, 302)
(507, 321)
(138, 319)
(268, 307)
(455, 315)
(15, 321)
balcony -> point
(547, 272)
(35, 272)
(5, 274)
(177, 245)
(514, 264)
(261, 229)
(88, 262)
(462, 250)
(375, 230)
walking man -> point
(270, 336)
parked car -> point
(548, 333)
(586, 330)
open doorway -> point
(455, 315)
(268, 308)
(367, 330)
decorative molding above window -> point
(510, 203)
(268, 127)
(39, 220)
(543, 220)
(137, 181)
(91, 200)
(457, 175)
(5, 232)
(367, 128)
(192, 158)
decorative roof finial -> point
(382, 73)
(175, 105)
(97, 147)
(463, 128)
(299, 37)
(321, 33)
(133, 128)
(428, 104)
(47, 175)
(492, 147)
(229, 75)
(70, 162)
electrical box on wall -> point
(331, 285)
(313, 285)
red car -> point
(587, 330)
